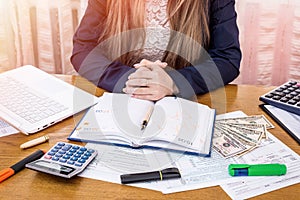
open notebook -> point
(175, 124)
(31, 99)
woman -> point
(155, 48)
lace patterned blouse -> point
(157, 30)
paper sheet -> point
(272, 151)
(290, 120)
(197, 172)
(6, 129)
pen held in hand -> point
(34, 142)
(147, 118)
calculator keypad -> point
(64, 159)
(286, 96)
(69, 154)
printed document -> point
(197, 172)
(6, 129)
(272, 151)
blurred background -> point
(39, 32)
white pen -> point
(34, 142)
(147, 118)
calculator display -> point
(54, 167)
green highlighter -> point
(257, 169)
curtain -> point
(270, 41)
(39, 32)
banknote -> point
(238, 136)
(252, 132)
(228, 144)
(254, 119)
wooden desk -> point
(29, 184)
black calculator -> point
(286, 97)
(64, 159)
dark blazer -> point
(220, 68)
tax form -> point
(197, 172)
(271, 151)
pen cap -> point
(257, 170)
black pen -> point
(147, 118)
(6, 173)
(169, 173)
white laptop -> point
(31, 99)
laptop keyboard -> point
(27, 104)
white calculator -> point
(64, 159)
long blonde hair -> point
(186, 17)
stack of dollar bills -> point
(237, 136)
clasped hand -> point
(150, 81)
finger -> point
(139, 70)
(153, 94)
(142, 91)
(137, 83)
(139, 65)
(129, 90)
(141, 75)
(142, 68)
(144, 97)
(146, 62)
(161, 64)
(149, 64)
(143, 62)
